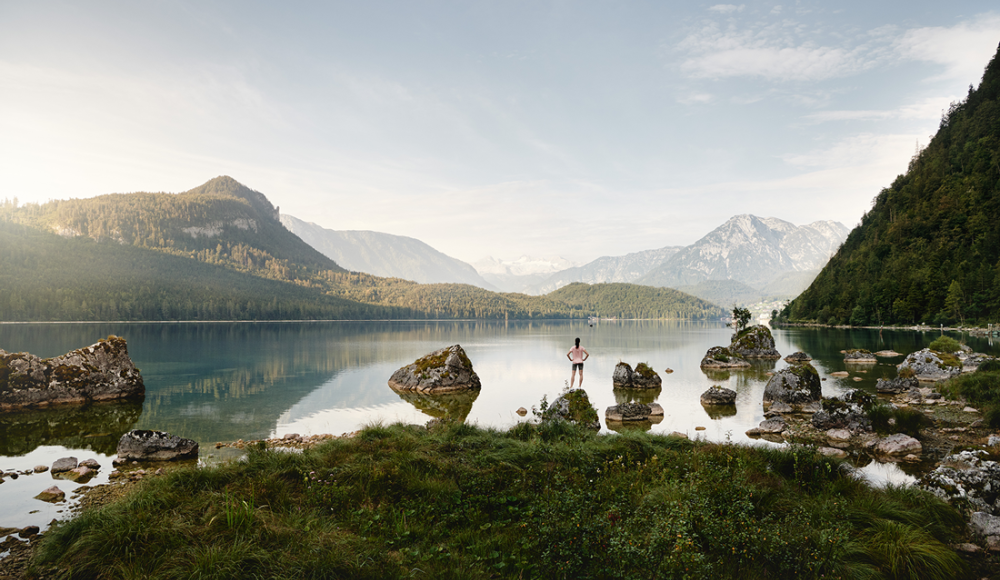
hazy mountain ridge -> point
(519, 275)
(627, 268)
(385, 255)
(750, 250)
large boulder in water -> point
(144, 445)
(442, 371)
(798, 386)
(754, 342)
(720, 357)
(102, 371)
(717, 395)
(621, 378)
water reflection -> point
(451, 406)
(717, 412)
(628, 395)
(97, 427)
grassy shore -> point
(536, 501)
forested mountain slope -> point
(929, 249)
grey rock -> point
(832, 452)
(91, 463)
(627, 412)
(859, 356)
(28, 531)
(754, 342)
(839, 434)
(655, 410)
(993, 440)
(775, 425)
(52, 495)
(928, 366)
(898, 444)
(798, 386)
(896, 386)
(64, 464)
(442, 371)
(720, 357)
(780, 407)
(717, 395)
(40, 468)
(622, 375)
(142, 445)
(968, 477)
(984, 524)
(798, 357)
(100, 372)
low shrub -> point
(945, 344)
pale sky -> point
(549, 128)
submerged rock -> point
(442, 371)
(720, 357)
(142, 445)
(754, 342)
(797, 386)
(102, 371)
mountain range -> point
(385, 255)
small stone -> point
(840, 374)
(839, 434)
(832, 452)
(91, 463)
(668, 370)
(776, 425)
(679, 434)
(291, 437)
(911, 457)
(28, 531)
(967, 548)
(699, 428)
(41, 468)
(64, 464)
(970, 410)
(52, 495)
(856, 379)
(780, 407)
(754, 432)
(521, 411)
(81, 474)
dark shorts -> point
(578, 367)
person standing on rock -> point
(577, 355)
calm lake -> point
(226, 381)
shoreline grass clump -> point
(548, 500)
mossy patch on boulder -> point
(573, 406)
(442, 371)
(754, 342)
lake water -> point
(216, 382)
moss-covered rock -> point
(754, 342)
(720, 357)
(100, 372)
(442, 371)
(645, 377)
(573, 406)
(797, 386)
(930, 366)
(859, 355)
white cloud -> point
(959, 48)
(695, 99)
(727, 8)
(924, 109)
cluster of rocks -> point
(102, 371)
(643, 377)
